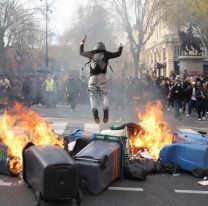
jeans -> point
(191, 106)
(50, 99)
(200, 107)
(177, 104)
(72, 99)
(98, 86)
(186, 102)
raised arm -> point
(83, 53)
(111, 55)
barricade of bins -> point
(90, 162)
(189, 152)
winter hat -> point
(100, 46)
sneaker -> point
(105, 115)
(96, 116)
(187, 115)
(199, 119)
(203, 118)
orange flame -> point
(21, 125)
(154, 134)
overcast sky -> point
(63, 13)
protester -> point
(97, 84)
(192, 101)
(177, 94)
(27, 91)
(72, 91)
(169, 97)
(50, 91)
(205, 92)
(187, 95)
(200, 101)
(5, 89)
(16, 91)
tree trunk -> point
(136, 67)
(1, 52)
(136, 62)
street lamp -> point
(47, 9)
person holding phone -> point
(97, 85)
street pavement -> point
(156, 190)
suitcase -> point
(99, 164)
(51, 172)
(188, 157)
(122, 140)
(190, 136)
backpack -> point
(97, 61)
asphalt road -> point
(157, 190)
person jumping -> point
(98, 61)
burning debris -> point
(20, 125)
(153, 134)
(9, 165)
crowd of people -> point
(184, 94)
(44, 89)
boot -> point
(105, 115)
(95, 115)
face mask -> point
(178, 85)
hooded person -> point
(177, 95)
(97, 84)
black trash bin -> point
(100, 163)
(51, 172)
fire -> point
(154, 133)
(21, 125)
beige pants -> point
(98, 86)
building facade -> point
(160, 54)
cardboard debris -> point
(92, 128)
(71, 146)
(204, 183)
(146, 155)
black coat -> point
(107, 55)
(177, 92)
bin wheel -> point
(199, 173)
(37, 198)
(79, 198)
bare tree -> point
(199, 14)
(15, 20)
(92, 20)
(139, 19)
(196, 14)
